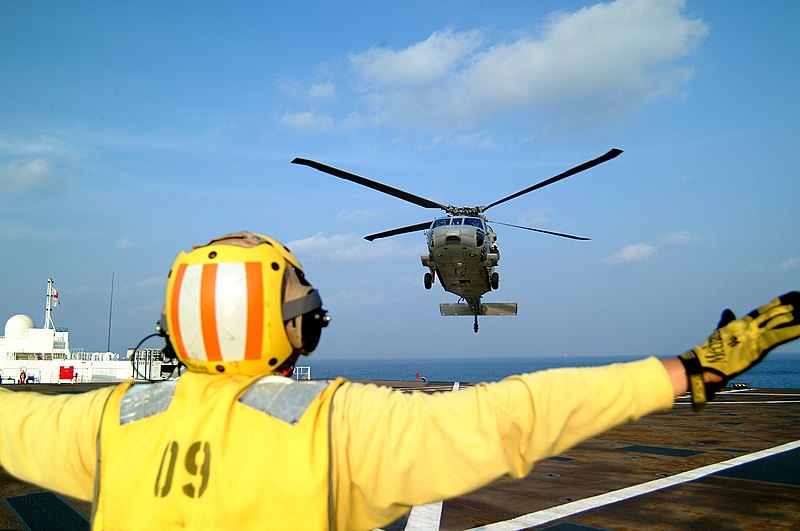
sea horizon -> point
(779, 370)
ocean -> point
(779, 370)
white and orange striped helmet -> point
(240, 304)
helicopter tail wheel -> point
(428, 280)
(495, 280)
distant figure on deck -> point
(236, 443)
(417, 376)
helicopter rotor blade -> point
(401, 230)
(577, 169)
(540, 230)
(401, 194)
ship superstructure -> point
(43, 355)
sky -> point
(130, 131)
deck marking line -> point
(739, 403)
(425, 517)
(569, 509)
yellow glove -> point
(738, 344)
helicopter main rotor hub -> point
(464, 211)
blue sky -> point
(132, 130)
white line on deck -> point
(750, 403)
(425, 517)
(569, 509)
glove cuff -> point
(694, 370)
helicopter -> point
(462, 246)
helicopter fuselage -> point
(462, 254)
(462, 248)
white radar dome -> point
(16, 326)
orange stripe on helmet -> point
(208, 314)
(255, 311)
(175, 330)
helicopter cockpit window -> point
(441, 221)
(457, 221)
(476, 222)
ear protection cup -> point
(313, 323)
(302, 310)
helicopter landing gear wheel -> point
(428, 280)
(495, 280)
(475, 326)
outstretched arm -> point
(51, 441)
(392, 450)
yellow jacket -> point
(237, 452)
(388, 450)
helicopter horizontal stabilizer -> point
(488, 308)
(499, 308)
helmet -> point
(240, 304)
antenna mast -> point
(48, 320)
(110, 307)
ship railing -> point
(302, 373)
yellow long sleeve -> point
(393, 450)
(51, 440)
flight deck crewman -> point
(234, 443)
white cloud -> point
(44, 146)
(83, 143)
(640, 252)
(29, 175)
(322, 91)
(349, 248)
(422, 63)
(535, 217)
(125, 243)
(637, 252)
(308, 120)
(789, 264)
(682, 238)
(316, 91)
(477, 141)
(585, 67)
(153, 282)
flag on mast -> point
(55, 298)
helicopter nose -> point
(452, 238)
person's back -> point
(208, 452)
